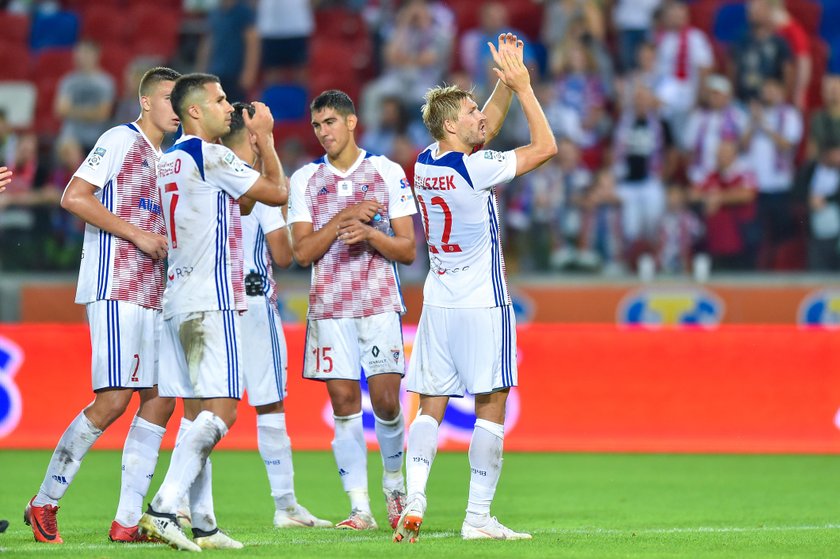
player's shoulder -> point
(383, 164)
(120, 135)
(307, 170)
(488, 156)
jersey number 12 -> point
(447, 225)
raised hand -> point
(262, 122)
(510, 64)
(5, 177)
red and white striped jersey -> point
(351, 281)
(122, 165)
(200, 184)
(255, 226)
(457, 201)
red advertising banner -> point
(582, 388)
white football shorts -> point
(338, 348)
(463, 350)
(200, 355)
(124, 340)
(264, 352)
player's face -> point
(161, 113)
(216, 110)
(471, 127)
(332, 130)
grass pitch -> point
(576, 505)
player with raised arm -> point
(266, 238)
(466, 339)
(120, 283)
(200, 182)
(355, 303)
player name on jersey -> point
(435, 183)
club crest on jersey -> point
(365, 188)
(96, 158)
(395, 353)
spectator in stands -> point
(231, 48)
(85, 97)
(285, 27)
(825, 123)
(684, 59)
(760, 54)
(633, 20)
(707, 127)
(67, 232)
(679, 232)
(565, 201)
(727, 199)
(601, 244)
(644, 74)
(560, 16)
(823, 190)
(8, 141)
(416, 59)
(800, 46)
(475, 57)
(771, 142)
(645, 156)
(394, 125)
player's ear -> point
(145, 103)
(449, 126)
(194, 111)
(352, 121)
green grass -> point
(576, 505)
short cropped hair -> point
(154, 76)
(237, 123)
(185, 86)
(442, 103)
(334, 99)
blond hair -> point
(442, 103)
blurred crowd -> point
(691, 134)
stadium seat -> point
(56, 29)
(105, 25)
(466, 14)
(702, 15)
(834, 56)
(15, 29)
(819, 63)
(808, 14)
(830, 17)
(152, 34)
(526, 16)
(15, 62)
(340, 23)
(286, 101)
(300, 130)
(115, 58)
(335, 57)
(730, 22)
(18, 98)
(52, 64)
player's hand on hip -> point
(152, 244)
(5, 177)
(262, 122)
(510, 62)
(353, 231)
(363, 211)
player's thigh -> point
(331, 350)
(264, 353)
(201, 355)
(124, 343)
(431, 370)
(483, 347)
(381, 348)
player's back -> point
(204, 229)
(122, 165)
(460, 218)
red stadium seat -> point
(808, 14)
(106, 24)
(340, 23)
(466, 14)
(154, 31)
(114, 60)
(527, 16)
(52, 64)
(300, 130)
(15, 29)
(15, 62)
(338, 58)
(819, 63)
(702, 14)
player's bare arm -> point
(498, 104)
(79, 199)
(309, 245)
(5, 177)
(513, 72)
(400, 248)
(271, 188)
(280, 247)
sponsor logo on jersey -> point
(820, 308)
(375, 351)
(324, 191)
(145, 164)
(11, 358)
(689, 306)
(149, 205)
(180, 273)
(404, 183)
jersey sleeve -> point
(298, 205)
(106, 158)
(487, 168)
(269, 218)
(400, 197)
(223, 169)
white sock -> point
(184, 426)
(422, 448)
(188, 459)
(66, 459)
(350, 453)
(276, 452)
(485, 469)
(140, 456)
(391, 438)
(202, 512)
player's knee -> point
(386, 406)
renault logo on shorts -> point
(375, 351)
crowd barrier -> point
(603, 388)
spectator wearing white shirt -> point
(633, 20)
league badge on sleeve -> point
(497, 155)
(95, 158)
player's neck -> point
(453, 145)
(346, 158)
(152, 132)
(244, 152)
